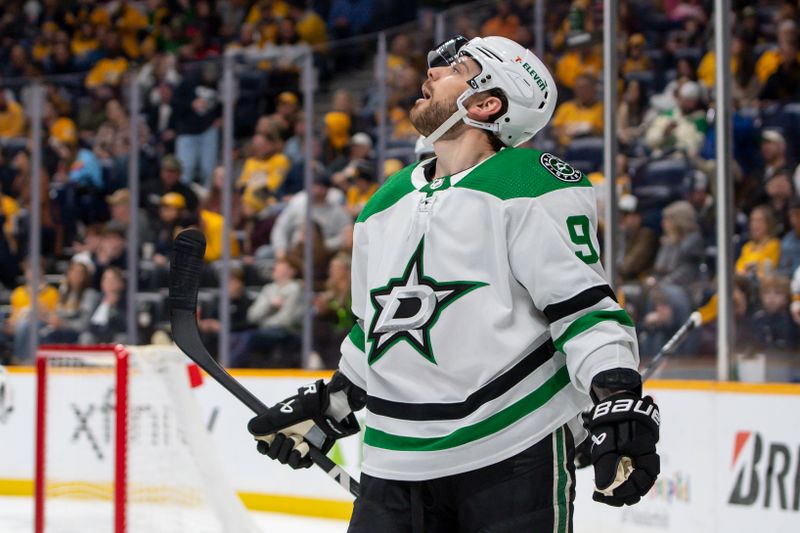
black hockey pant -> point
(531, 492)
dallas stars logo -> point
(408, 307)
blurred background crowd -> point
(86, 54)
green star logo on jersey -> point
(408, 307)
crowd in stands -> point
(85, 54)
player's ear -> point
(484, 106)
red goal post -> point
(121, 446)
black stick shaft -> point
(184, 280)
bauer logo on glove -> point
(624, 431)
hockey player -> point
(485, 325)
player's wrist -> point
(616, 380)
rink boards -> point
(730, 455)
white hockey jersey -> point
(484, 313)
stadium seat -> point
(588, 150)
(790, 122)
(646, 78)
(658, 183)
(693, 54)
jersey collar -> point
(419, 181)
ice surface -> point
(16, 516)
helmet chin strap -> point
(460, 114)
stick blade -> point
(186, 266)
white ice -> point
(16, 516)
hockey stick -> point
(702, 316)
(184, 282)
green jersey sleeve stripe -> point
(588, 321)
(356, 336)
(497, 422)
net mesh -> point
(174, 479)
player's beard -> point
(427, 119)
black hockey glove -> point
(623, 429)
(318, 414)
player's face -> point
(439, 94)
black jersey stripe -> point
(457, 410)
(579, 302)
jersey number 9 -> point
(580, 234)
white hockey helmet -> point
(526, 83)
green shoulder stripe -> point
(394, 188)
(588, 321)
(523, 173)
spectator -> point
(171, 216)
(783, 85)
(681, 128)
(12, 117)
(9, 210)
(213, 199)
(790, 244)
(60, 61)
(241, 328)
(337, 133)
(86, 251)
(17, 62)
(640, 242)
(119, 204)
(668, 306)
(334, 316)
(277, 311)
(258, 219)
(320, 255)
(111, 253)
(85, 45)
(581, 116)
(293, 147)
(287, 111)
(582, 59)
(309, 25)
(503, 22)
(326, 210)
(267, 166)
(362, 183)
(779, 193)
(773, 328)
(76, 302)
(54, 219)
(91, 115)
(401, 53)
(773, 151)
(107, 323)
(630, 114)
(360, 149)
(20, 321)
(702, 201)
(79, 166)
(109, 70)
(636, 60)
(159, 114)
(169, 181)
(212, 225)
(743, 66)
(772, 58)
(197, 111)
(682, 250)
(349, 17)
(760, 255)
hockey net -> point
(121, 446)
